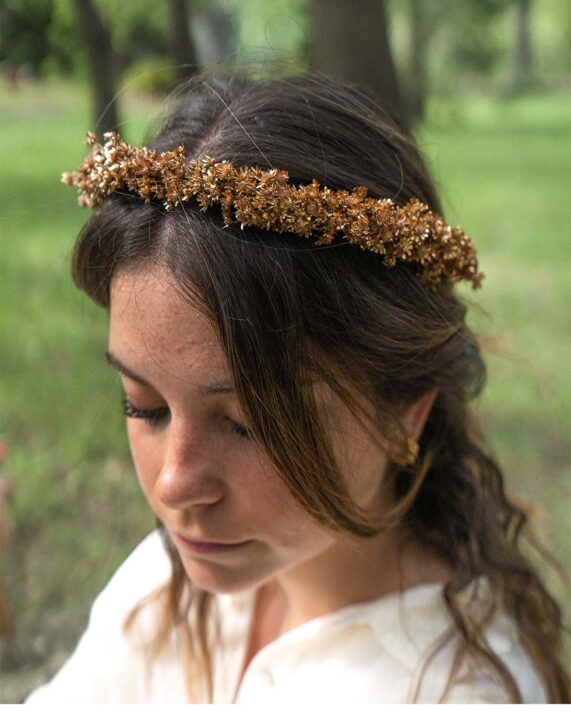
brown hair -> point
(288, 311)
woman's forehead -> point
(153, 327)
(152, 296)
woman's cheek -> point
(146, 452)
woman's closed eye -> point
(238, 429)
(156, 417)
(153, 417)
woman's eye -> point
(153, 417)
(239, 429)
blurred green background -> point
(499, 144)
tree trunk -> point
(522, 59)
(215, 32)
(182, 48)
(350, 41)
(101, 59)
(417, 76)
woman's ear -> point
(416, 415)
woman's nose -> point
(189, 475)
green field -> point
(503, 169)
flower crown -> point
(266, 199)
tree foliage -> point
(464, 44)
(25, 25)
(44, 32)
(473, 45)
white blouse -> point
(361, 654)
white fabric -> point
(366, 653)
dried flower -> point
(265, 199)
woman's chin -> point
(221, 579)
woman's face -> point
(228, 513)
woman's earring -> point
(409, 455)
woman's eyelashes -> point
(153, 417)
(156, 417)
(239, 429)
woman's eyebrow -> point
(222, 386)
(123, 369)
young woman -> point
(297, 371)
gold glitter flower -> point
(265, 199)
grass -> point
(503, 171)
(76, 507)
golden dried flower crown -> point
(266, 199)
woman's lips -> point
(202, 547)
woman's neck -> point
(344, 575)
(351, 572)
